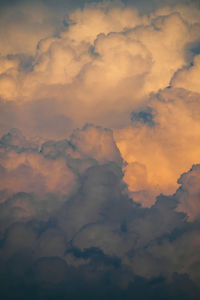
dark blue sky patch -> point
(144, 116)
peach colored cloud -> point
(22, 25)
(157, 155)
(188, 77)
(32, 173)
(107, 62)
(97, 143)
(121, 54)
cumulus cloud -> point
(95, 229)
(188, 193)
(110, 66)
(23, 25)
(188, 77)
(157, 153)
(92, 200)
(97, 143)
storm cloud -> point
(100, 150)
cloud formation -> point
(161, 144)
(85, 217)
(100, 148)
(101, 73)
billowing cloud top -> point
(100, 150)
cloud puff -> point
(25, 168)
(157, 154)
(188, 193)
(188, 77)
(97, 143)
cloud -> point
(26, 168)
(23, 25)
(31, 172)
(97, 143)
(188, 193)
(96, 230)
(107, 69)
(172, 146)
(187, 78)
(99, 110)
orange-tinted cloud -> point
(23, 24)
(31, 172)
(80, 205)
(157, 153)
(107, 62)
(188, 77)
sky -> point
(100, 150)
